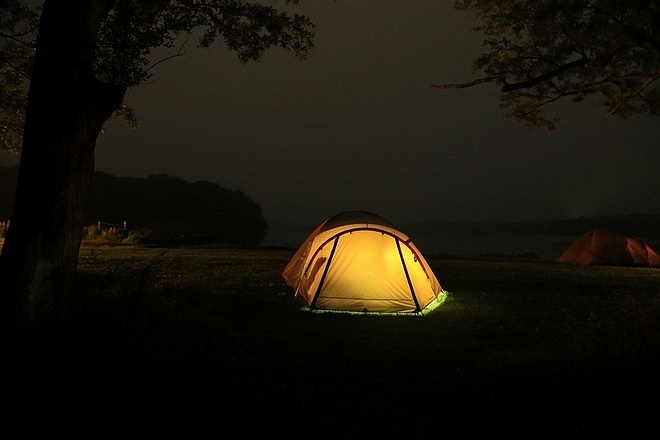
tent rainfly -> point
(357, 261)
(609, 248)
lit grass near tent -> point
(431, 307)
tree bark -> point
(67, 107)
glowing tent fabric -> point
(358, 261)
(604, 247)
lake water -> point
(431, 242)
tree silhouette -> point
(88, 53)
(539, 52)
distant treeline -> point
(633, 225)
(167, 209)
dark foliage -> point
(541, 52)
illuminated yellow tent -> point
(357, 261)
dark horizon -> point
(545, 239)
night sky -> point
(357, 126)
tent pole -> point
(325, 272)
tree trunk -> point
(66, 110)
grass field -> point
(210, 343)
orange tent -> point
(357, 261)
(605, 247)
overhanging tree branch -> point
(180, 52)
(626, 99)
(510, 87)
(465, 85)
